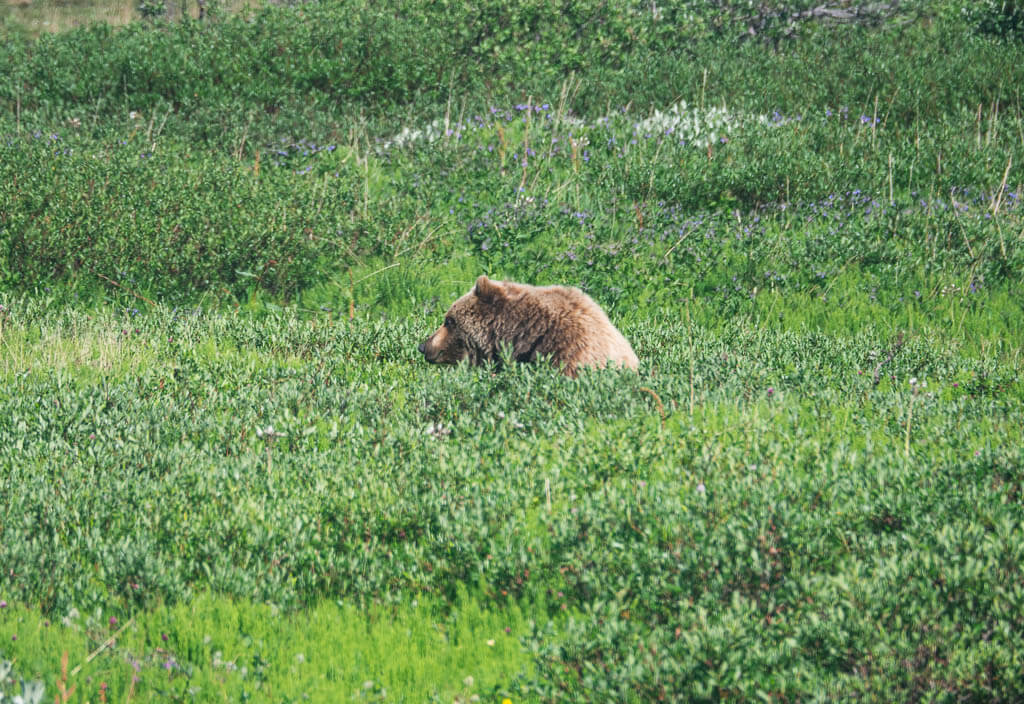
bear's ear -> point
(488, 291)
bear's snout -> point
(428, 348)
(442, 348)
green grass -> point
(148, 484)
(217, 648)
(221, 242)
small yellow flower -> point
(506, 700)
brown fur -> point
(559, 323)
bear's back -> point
(582, 334)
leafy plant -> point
(999, 18)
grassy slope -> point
(793, 476)
(769, 506)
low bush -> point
(221, 242)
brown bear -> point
(561, 324)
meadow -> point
(227, 474)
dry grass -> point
(84, 345)
(41, 16)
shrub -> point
(1003, 19)
(169, 223)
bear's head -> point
(471, 329)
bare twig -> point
(997, 199)
(103, 646)
(126, 290)
(389, 266)
(892, 353)
(657, 400)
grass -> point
(219, 444)
(215, 647)
(522, 485)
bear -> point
(557, 323)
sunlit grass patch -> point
(412, 650)
(79, 344)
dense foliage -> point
(998, 18)
(221, 241)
